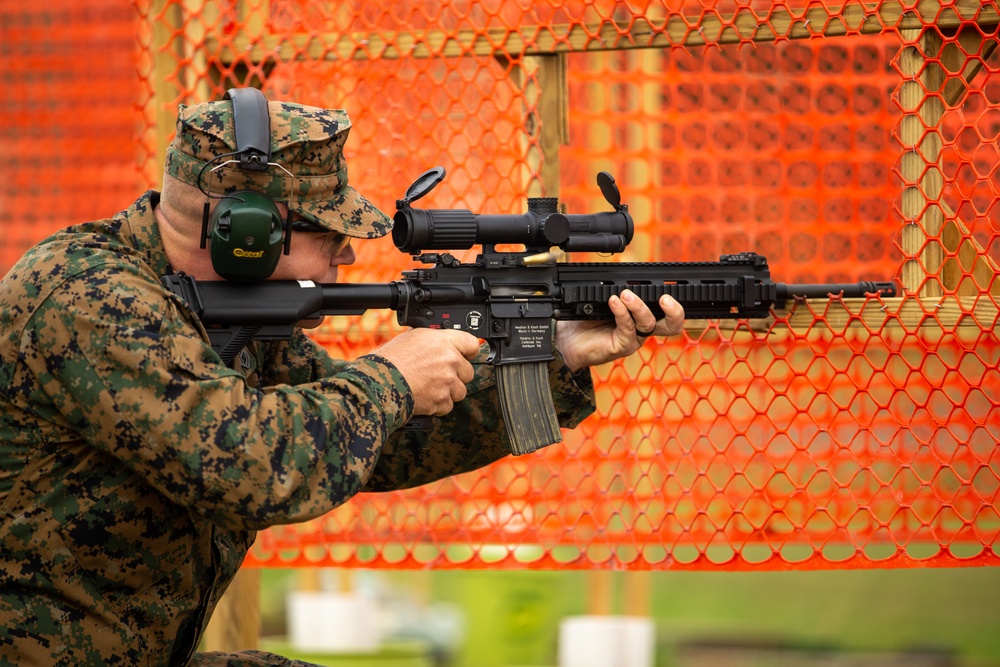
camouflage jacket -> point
(135, 468)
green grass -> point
(956, 610)
(512, 618)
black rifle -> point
(510, 299)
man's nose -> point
(345, 256)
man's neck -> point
(181, 242)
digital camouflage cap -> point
(306, 141)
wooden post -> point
(542, 79)
(930, 226)
(164, 18)
(235, 625)
(920, 163)
(553, 116)
(638, 593)
(600, 592)
(201, 17)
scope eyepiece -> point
(416, 229)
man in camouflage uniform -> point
(135, 467)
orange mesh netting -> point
(68, 117)
(843, 140)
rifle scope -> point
(541, 227)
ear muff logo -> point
(249, 254)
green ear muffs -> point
(245, 235)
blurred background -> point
(818, 487)
(874, 618)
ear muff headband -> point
(252, 124)
(246, 232)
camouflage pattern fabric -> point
(135, 467)
(308, 144)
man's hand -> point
(435, 363)
(593, 342)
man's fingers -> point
(673, 316)
(645, 323)
(458, 392)
(642, 319)
(468, 346)
(436, 364)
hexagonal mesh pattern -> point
(67, 125)
(843, 140)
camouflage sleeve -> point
(473, 434)
(247, 658)
(297, 361)
(123, 367)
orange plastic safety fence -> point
(68, 117)
(843, 140)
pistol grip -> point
(527, 407)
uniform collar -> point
(140, 230)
